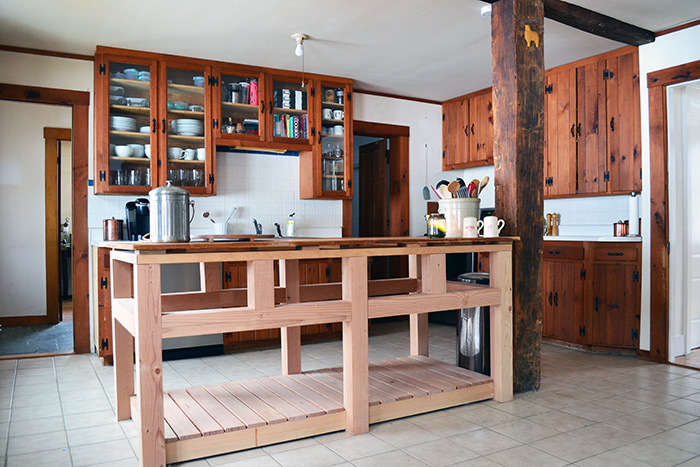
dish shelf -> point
(130, 109)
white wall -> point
(667, 51)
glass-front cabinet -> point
(239, 116)
(126, 140)
(185, 134)
(150, 126)
(289, 108)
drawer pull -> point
(554, 252)
(550, 298)
(556, 299)
(615, 254)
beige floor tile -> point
(680, 439)
(623, 404)
(263, 460)
(90, 435)
(684, 405)
(90, 405)
(642, 427)
(130, 462)
(582, 393)
(525, 431)
(231, 459)
(393, 458)
(693, 427)
(560, 421)
(290, 445)
(39, 411)
(83, 395)
(4, 415)
(667, 417)
(37, 442)
(445, 425)
(401, 433)
(605, 435)
(441, 452)
(88, 454)
(42, 380)
(526, 455)
(33, 400)
(36, 425)
(25, 363)
(356, 447)
(694, 462)
(521, 408)
(482, 415)
(82, 420)
(53, 458)
(310, 456)
(477, 462)
(609, 459)
(651, 397)
(569, 448)
(655, 453)
(551, 400)
(690, 382)
(485, 441)
(591, 411)
(673, 389)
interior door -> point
(692, 224)
(374, 199)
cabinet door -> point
(563, 296)
(623, 123)
(615, 315)
(126, 142)
(454, 133)
(560, 133)
(186, 134)
(239, 106)
(289, 109)
(480, 129)
(592, 159)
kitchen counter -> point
(198, 421)
(591, 238)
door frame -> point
(399, 202)
(657, 82)
(52, 138)
(79, 102)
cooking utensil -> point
(461, 182)
(441, 183)
(445, 192)
(462, 192)
(471, 189)
(484, 182)
(207, 216)
(436, 192)
(452, 187)
(233, 211)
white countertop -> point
(591, 238)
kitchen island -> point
(197, 422)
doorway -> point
(684, 227)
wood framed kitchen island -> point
(195, 422)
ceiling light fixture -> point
(486, 11)
(299, 38)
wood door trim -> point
(79, 101)
(379, 130)
(396, 96)
(52, 137)
(657, 82)
(47, 53)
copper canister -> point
(620, 229)
(112, 229)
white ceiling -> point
(430, 49)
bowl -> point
(196, 108)
(117, 100)
(147, 150)
(123, 151)
(145, 129)
(131, 73)
(138, 149)
(177, 105)
(116, 91)
(137, 101)
(198, 81)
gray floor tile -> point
(88, 454)
(569, 448)
(54, 458)
(393, 458)
(526, 455)
(356, 447)
(441, 452)
(655, 453)
(310, 456)
(485, 441)
(401, 433)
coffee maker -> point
(137, 219)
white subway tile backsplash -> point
(588, 216)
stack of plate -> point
(118, 123)
(188, 127)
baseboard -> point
(23, 320)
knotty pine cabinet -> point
(467, 131)
(591, 293)
(102, 305)
(593, 127)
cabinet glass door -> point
(332, 137)
(131, 124)
(290, 109)
(187, 148)
(240, 110)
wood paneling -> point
(560, 136)
(592, 160)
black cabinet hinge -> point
(443, 117)
(227, 277)
(640, 174)
(328, 272)
(215, 123)
(443, 154)
(583, 274)
(607, 74)
(582, 330)
(635, 276)
(606, 176)
(103, 283)
(349, 97)
(313, 92)
(349, 184)
(213, 81)
(103, 176)
(549, 89)
(211, 179)
(158, 163)
(103, 69)
(104, 344)
(597, 304)
(635, 334)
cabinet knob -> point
(573, 129)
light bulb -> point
(299, 50)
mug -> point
(338, 114)
(201, 154)
(471, 227)
(189, 154)
(328, 114)
(175, 153)
(493, 226)
(338, 130)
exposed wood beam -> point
(594, 23)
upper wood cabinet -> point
(592, 126)
(151, 125)
(240, 105)
(467, 131)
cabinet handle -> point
(154, 125)
(556, 299)
(615, 254)
(319, 137)
(612, 123)
(554, 252)
(262, 110)
(550, 298)
(466, 130)
(472, 128)
(578, 130)
(270, 107)
(165, 127)
(573, 129)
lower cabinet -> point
(102, 304)
(591, 293)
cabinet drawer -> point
(615, 253)
(554, 251)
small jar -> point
(339, 96)
(437, 226)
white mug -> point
(338, 115)
(175, 153)
(328, 114)
(471, 227)
(201, 154)
(493, 226)
(338, 129)
(147, 150)
(188, 154)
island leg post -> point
(290, 335)
(501, 276)
(122, 286)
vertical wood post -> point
(517, 33)
(210, 277)
(149, 355)
(355, 352)
(290, 335)
(122, 286)
(432, 273)
(502, 326)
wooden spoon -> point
(444, 192)
(484, 182)
(452, 187)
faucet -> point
(258, 227)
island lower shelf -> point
(211, 420)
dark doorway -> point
(373, 216)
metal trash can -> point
(473, 331)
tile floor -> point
(591, 410)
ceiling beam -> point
(594, 23)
